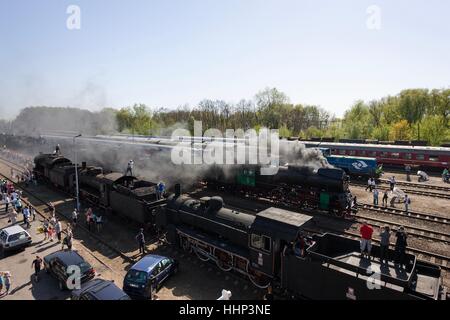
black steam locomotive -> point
(300, 187)
(262, 248)
(126, 196)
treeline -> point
(414, 114)
(270, 108)
(39, 120)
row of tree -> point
(420, 114)
(414, 114)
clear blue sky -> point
(167, 53)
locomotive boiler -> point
(298, 186)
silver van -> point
(13, 238)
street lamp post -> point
(76, 172)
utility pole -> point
(76, 172)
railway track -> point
(423, 255)
(418, 185)
(416, 215)
(425, 193)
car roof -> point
(13, 229)
(147, 263)
(102, 289)
(68, 257)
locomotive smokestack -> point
(177, 190)
(83, 164)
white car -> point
(13, 238)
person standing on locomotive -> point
(160, 189)
(57, 150)
(400, 246)
(366, 232)
(130, 168)
(385, 236)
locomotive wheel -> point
(257, 278)
(200, 255)
(223, 260)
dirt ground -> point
(438, 206)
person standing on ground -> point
(26, 217)
(408, 172)
(58, 230)
(99, 223)
(33, 212)
(89, 218)
(141, 241)
(1, 282)
(36, 264)
(7, 281)
(7, 202)
(74, 217)
(45, 227)
(385, 198)
(67, 241)
(375, 196)
(407, 202)
(50, 231)
(392, 183)
(366, 232)
(400, 246)
(445, 175)
(385, 236)
(13, 216)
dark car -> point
(99, 289)
(58, 264)
(147, 275)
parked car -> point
(147, 275)
(14, 238)
(99, 289)
(57, 264)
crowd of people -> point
(366, 232)
(374, 189)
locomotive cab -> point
(272, 231)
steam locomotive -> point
(260, 247)
(125, 196)
(297, 186)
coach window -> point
(260, 242)
(384, 154)
(433, 158)
(373, 153)
(420, 157)
(352, 152)
(408, 156)
(341, 151)
(362, 152)
(395, 155)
